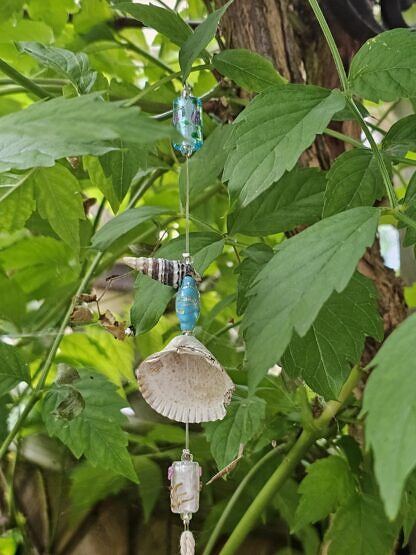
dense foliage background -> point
(88, 174)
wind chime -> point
(184, 381)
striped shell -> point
(185, 383)
(168, 272)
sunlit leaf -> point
(68, 64)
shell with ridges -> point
(185, 383)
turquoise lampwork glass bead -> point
(187, 119)
(187, 304)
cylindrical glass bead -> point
(187, 119)
(187, 304)
(184, 479)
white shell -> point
(185, 382)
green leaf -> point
(390, 405)
(247, 69)
(70, 65)
(408, 511)
(95, 433)
(150, 301)
(97, 349)
(286, 502)
(151, 484)
(272, 132)
(37, 261)
(13, 369)
(297, 198)
(292, 288)
(92, 14)
(206, 164)
(205, 248)
(123, 224)
(59, 201)
(12, 300)
(354, 179)
(16, 203)
(257, 256)
(361, 528)
(324, 356)
(123, 166)
(401, 137)
(167, 22)
(385, 67)
(89, 485)
(46, 131)
(328, 484)
(243, 421)
(196, 43)
(55, 14)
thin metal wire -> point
(187, 219)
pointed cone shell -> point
(184, 382)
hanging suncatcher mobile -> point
(184, 381)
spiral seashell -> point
(185, 382)
(168, 272)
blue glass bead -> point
(187, 304)
(187, 119)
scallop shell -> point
(185, 382)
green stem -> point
(20, 79)
(163, 81)
(36, 393)
(331, 43)
(98, 216)
(344, 83)
(9, 89)
(142, 52)
(283, 472)
(343, 137)
(236, 495)
(380, 160)
(387, 112)
(403, 218)
(144, 187)
(406, 161)
(46, 82)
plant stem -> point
(10, 89)
(343, 137)
(344, 83)
(25, 82)
(36, 393)
(39, 81)
(163, 81)
(391, 195)
(308, 436)
(331, 43)
(235, 496)
(141, 52)
(406, 161)
(403, 218)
